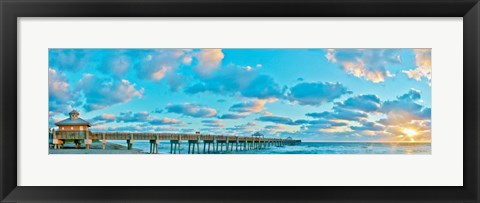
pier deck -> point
(231, 142)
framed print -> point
(265, 110)
(316, 101)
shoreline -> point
(95, 148)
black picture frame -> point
(10, 10)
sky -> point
(348, 95)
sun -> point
(409, 132)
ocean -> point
(307, 148)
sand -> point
(95, 148)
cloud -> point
(129, 117)
(423, 58)
(157, 110)
(249, 106)
(232, 80)
(244, 129)
(288, 121)
(280, 120)
(61, 98)
(325, 126)
(316, 93)
(370, 64)
(340, 114)
(68, 59)
(111, 62)
(365, 103)
(233, 116)
(119, 65)
(165, 121)
(176, 81)
(275, 129)
(127, 128)
(58, 86)
(266, 113)
(159, 74)
(276, 119)
(100, 93)
(155, 65)
(208, 61)
(327, 123)
(108, 117)
(143, 118)
(193, 110)
(403, 113)
(101, 119)
(170, 65)
(52, 121)
(213, 123)
(355, 108)
(144, 123)
(406, 112)
(411, 95)
(187, 60)
(406, 108)
(114, 62)
(397, 131)
(325, 114)
(99, 127)
(263, 87)
(349, 114)
(142, 128)
(229, 80)
(369, 126)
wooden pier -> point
(218, 143)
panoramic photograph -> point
(239, 101)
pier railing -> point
(155, 136)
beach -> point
(95, 148)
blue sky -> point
(309, 94)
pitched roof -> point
(69, 121)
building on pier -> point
(72, 124)
(258, 134)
